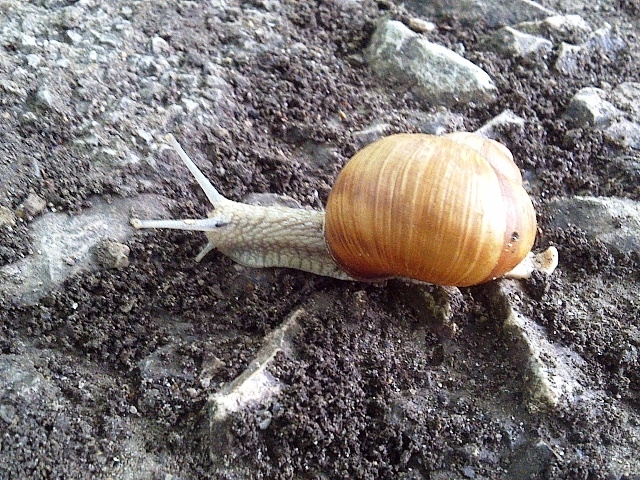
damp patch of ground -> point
(112, 370)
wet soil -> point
(376, 389)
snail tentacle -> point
(199, 225)
(206, 249)
(215, 197)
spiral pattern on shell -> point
(449, 210)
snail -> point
(448, 210)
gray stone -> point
(45, 99)
(18, 376)
(33, 60)
(371, 134)
(513, 43)
(530, 461)
(559, 28)
(63, 245)
(7, 217)
(159, 46)
(613, 221)
(604, 41)
(552, 374)
(112, 254)
(255, 385)
(506, 120)
(441, 122)
(547, 378)
(27, 43)
(33, 205)
(626, 96)
(589, 108)
(74, 37)
(568, 56)
(494, 12)
(8, 413)
(434, 73)
(624, 133)
(469, 472)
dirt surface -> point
(108, 375)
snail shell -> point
(449, 210)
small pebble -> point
(7, 217)
(45, 99)
(421, 26)
(264, 424)
(33, 205)
(112, 254)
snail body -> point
(449, 210)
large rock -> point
(511, 42)
(434, 73)
(589, 108)
(559, 28)
(626, 96)
(604, 41)
(496, 13)
(613, 221)
(624, 134)
(64, 246)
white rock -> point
(255, 385)
(46, 99)
(568, 55)
(371, 133)
(549, 373)
(28, 43)
(159, 45)
(33, 60)
(440, 122)
(74, 37)
(506, 120)
(605, 40)
(63, 246)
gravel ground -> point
(118, 351)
